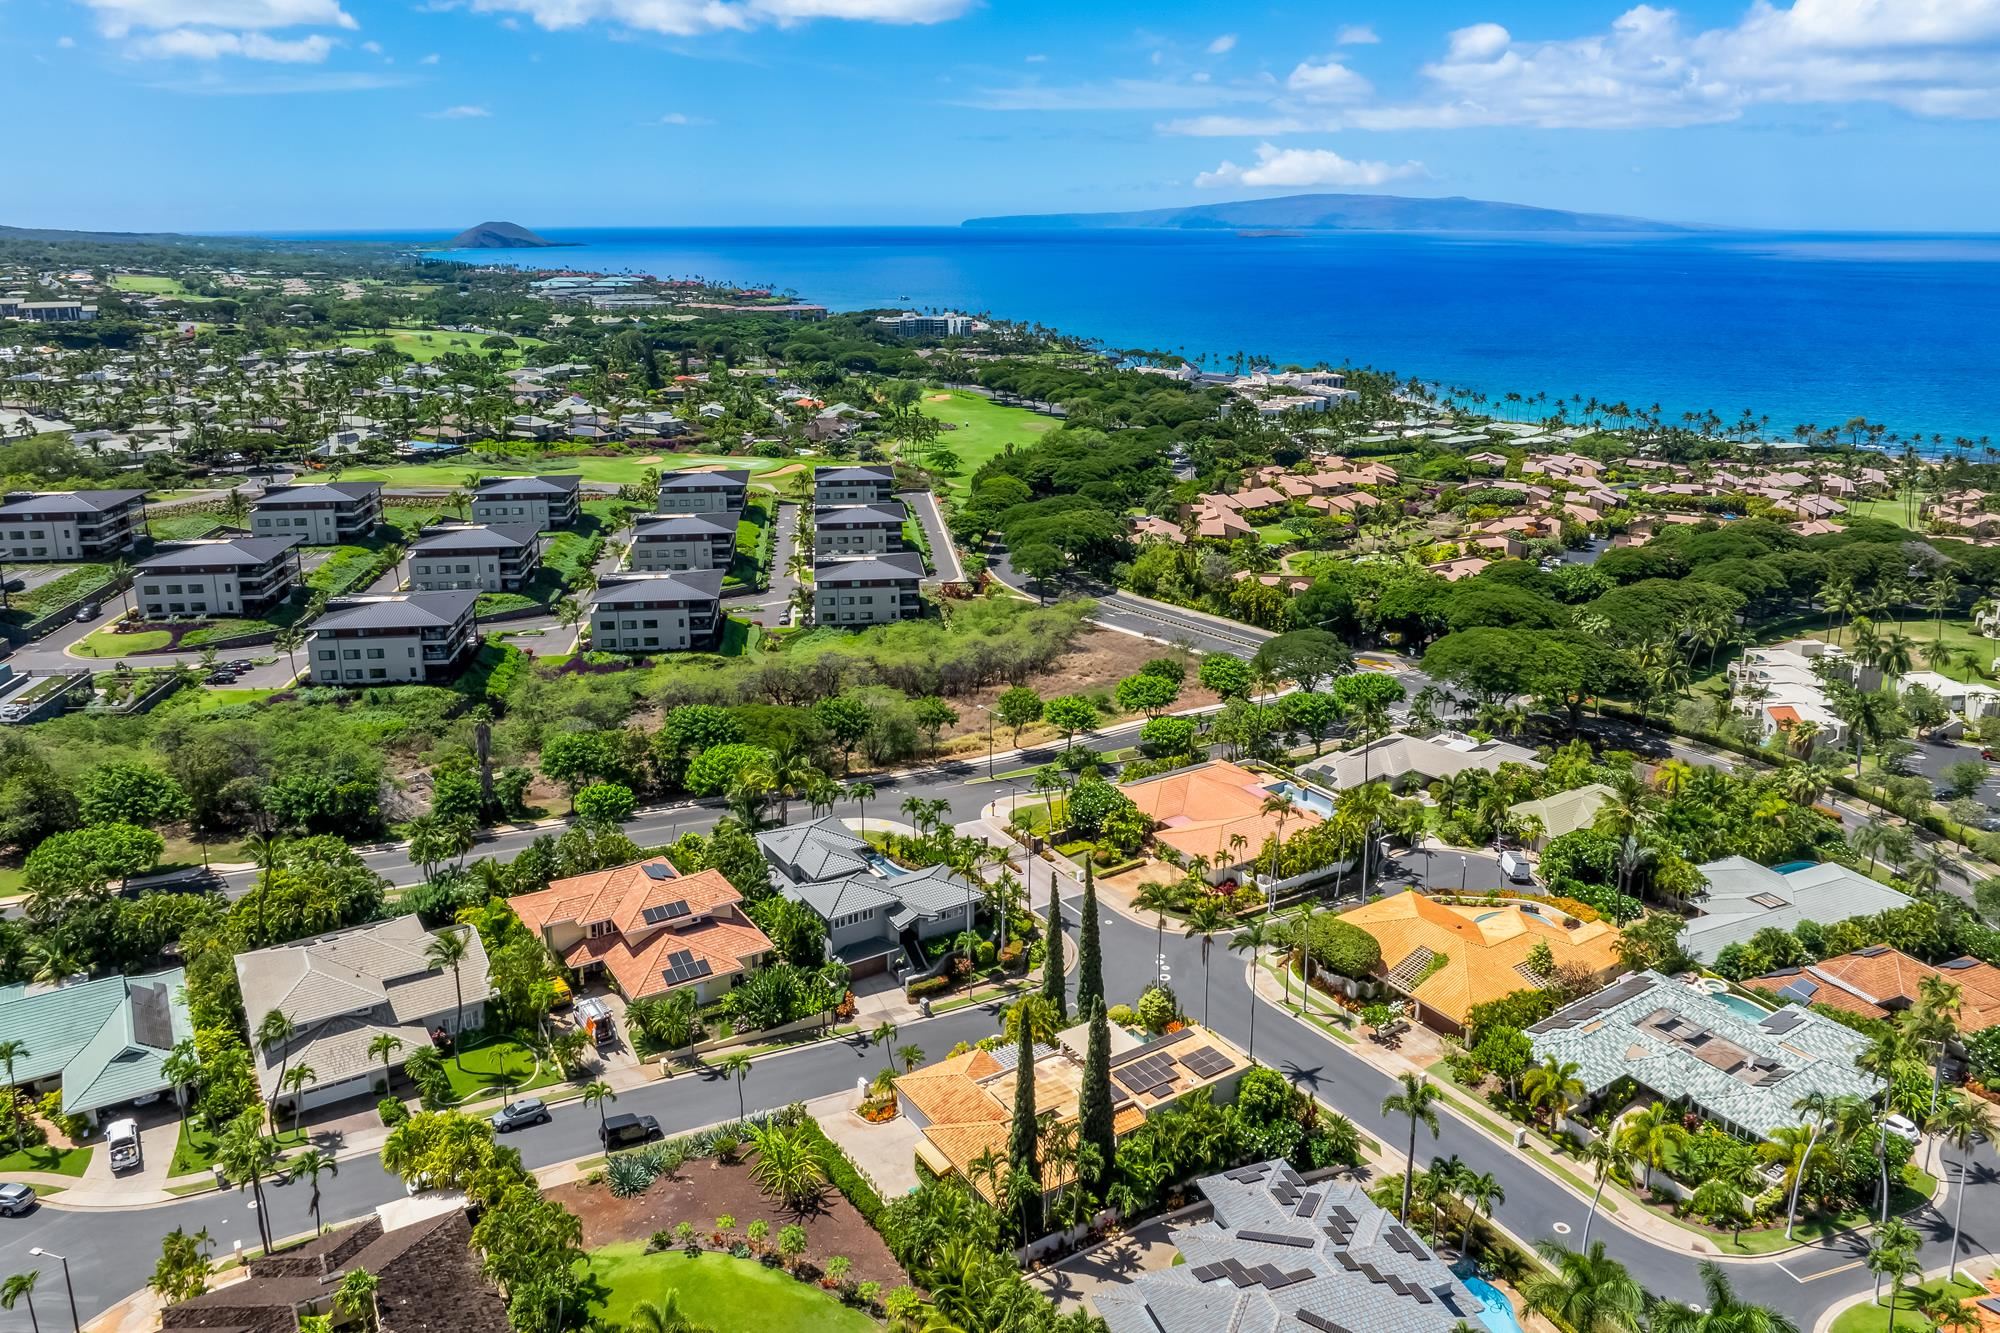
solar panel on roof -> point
(658, 870)
(1957, 963)
(1276, 1238)
(1783, 1021)
(1768, 900)
(1206, 1062)
(1309, 1205)
(1320, 1322)
(1799, 992)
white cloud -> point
(430, 59)
(116, 18)
(1235, 127)
(1357, 34)
(372, 48)
(65, 43)
(461, 113)
(1117, 95)
(1222, 45)
(1297, 168)
(203, 44)
(1328, 81)
(683, 118)
(688, 18)
(1036, 59)
(211, 83)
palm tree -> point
(1418, 1100)
(1722, 1313)
(736, 1065)
(245, 1157)
(1158, 899)
(1254, 939)
(1206, 919)
(1609, 1158)
(596, 1093)
(1553, 1086)
(310, 1164)
(355, 1296)
(276, 1030)
(383, 1046)
(1898, 1263)
(1652, 1136)
(885, 1035)
(662, 1316)
(1586, 1291)
(860, 793)
(448, 948)
(1482, 1193)
(296, 1080)
(288, 641)
(21, 1287)
(1896, 1241)
(182, 1068)
(1966, 1121)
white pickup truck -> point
(122, 1138)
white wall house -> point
(537, 502)
(868, 590)
(657, 612)
(704, 492)
(229, 576)
(853, 486)
(323, 514)
(71, 525)
(860, 529)
(683, 541)
(454, 557)
(399, 639)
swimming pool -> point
(884, 867)
(1498, 1311)
(1790, 867)
(1756, 1013)
(1319, 804)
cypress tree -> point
(1022, 1131)
(1054, 987)
(1089, 953)
(1093, 1102)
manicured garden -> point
(30, 605)
(718, 1290)
(196, 1147)
(1873, 1316)
(490, 1064)
(109, 644)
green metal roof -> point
(84, 1031)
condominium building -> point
(454, 557)
(399, 639)
(226, 576)
(51, 312)
(853, 486)
(704, 492)
(911, 324)
(71, 525)
(1782, 687)
(321, 514)
(860, 529)
(868, 590)
(683, 541)
(537, 502)
(657, 612)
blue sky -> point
(358, 114)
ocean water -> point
(1800, 328)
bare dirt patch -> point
(1102, 657)
(650, 459)
(703, 1190)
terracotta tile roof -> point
(1878, 981)
(1201, 809)
(639, 966)
(622, 894)
(1484, 947)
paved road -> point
(767, 608)
(1141, 615)
(944, 555)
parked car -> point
(528, 1111)
(16, 1198)
(627, 1130)
(1901, 1126)
(122, 1137)
(1986, 754)
(1516, 868)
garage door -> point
(325, 1094)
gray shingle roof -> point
(412, 611)
(1743, 897)
(1397, 755)
(846, 516)
(1686, 1043)
(852, 474)
(329, 492)
(474, 537)
(692, 585)
(822, 864)
(340, 990)
(897, 565)
(68, 502)
(244, 551)
(557, 485)
(689, 525)
(1284, 1256)
(734, 479)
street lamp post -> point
(41, 1253)
(989, 739)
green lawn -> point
(749, 561)
(195, 1150)
(738, 637)
(489, 1064)
(26, 607)
(110, 645)
(983, 428)
(181, 527)
(729, 1295)
(430, 344)
(616, 471)
(1872, 1317)
(150, 283)
(348, 569)
(56, 1161)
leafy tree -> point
(455, 794)
(1312, 713)
(1168, 735)
(1306, 657)
(1071, 714)
(1093, 1103)
(604, 804)
(1146, 694)
(1226, 675)
(186, 1264)
(1089, 950)
(932, 715)
(130, 793)
(714, 770)
(689, 730)
(573, 757)
(1018, 707)
(848, 720)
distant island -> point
(1340, 212)
(501, 236)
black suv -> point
(624, 1131)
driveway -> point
(944, 556)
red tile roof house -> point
(648, 929)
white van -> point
(122, 1138)
(1516, 868)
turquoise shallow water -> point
(1797, 327)
(1498, 1316)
